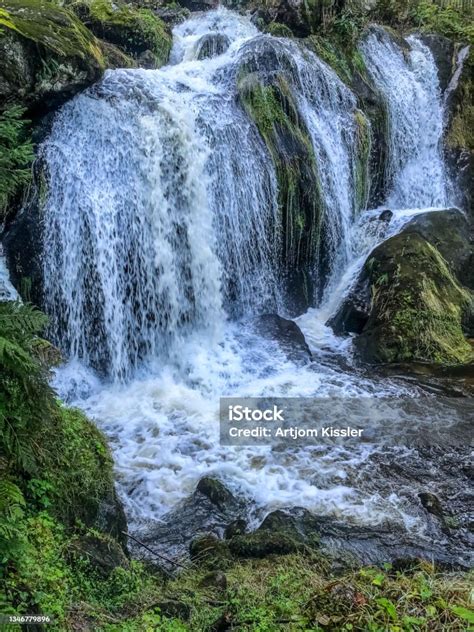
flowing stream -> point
(163, 236)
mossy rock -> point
(417, 306)
(263, 543)
(133, 30)
(278, 30)
(267, 99)
(77, 463)
(46, 53)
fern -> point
(16, 155)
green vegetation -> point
(56, 29)
(16, 155)
(417, 306)
(276, 116)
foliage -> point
(451, 21)
(25, 397)
(16, 155)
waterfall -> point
(163, 233)
(163, 212)
(406, 76)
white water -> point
(163, 224)
(409, 83)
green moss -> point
(363, 150)
(279, 30)
(132, 29)
(276, 116)
(332, 54)
(54, 28)
(76, 463)
(417, 306)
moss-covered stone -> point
(278, 30)
(269, 103)
(46, 54)
(417, 306)
(362, 161)
(77, 464)
(133, 30)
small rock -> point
(432, 504)
(216, 491)
(206, 546)
(216, 579)
(386, 215)
(263, 543)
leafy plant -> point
(16, 155)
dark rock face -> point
(212, 45)
(215, 491)
(199, 5)
(443, 51)
(288, 335)
(133, 30)
(264, 87)
(299, 16)
(204, 515)
(354, 311)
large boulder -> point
(417, 306)
(46, 54)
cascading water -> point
(408, 81)
(163, 228)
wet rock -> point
(172, 14)
(103, 553)
(354, 312)
(216, 491)
(215, 579)
(287, 334)
(417, 306)
(204, 514)
(443, 51)
(210, 549)
(432, 504)
(212, 45)
(237, 527)
(386, 215)
(199, 5)
(299, 16)
(134, 30)
(264, 80)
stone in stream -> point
(287, 334)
